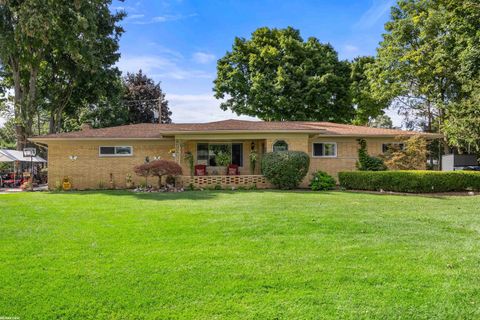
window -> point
(237, 154)
(280, 145)
(392, 146)
(120, 151)
(207, 152)
(325, 149)
(202, 153)
(216, 148)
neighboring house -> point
(101, 157)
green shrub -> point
(367, 162)
(223, 158)
(322, 181)
(285, 169)
(411, 181)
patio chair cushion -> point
(233, 170)
(200, 170)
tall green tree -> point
(381, 121)
(83, 72)
(62, 42)
(107, 111)
(427, 46)
(276, 75)
(408, 66)
(7, 134)
(144, 98)
(462, 124)
(367, 106)
(136, 98)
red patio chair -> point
(232, 170)
(200, 170)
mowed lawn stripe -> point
(242, 254)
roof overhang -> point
(171, 135)
(15, 155)
(406, 135)
(206, 132)
(46, 140)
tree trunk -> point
(51, 125)
(58, 125)
(21, 137)
(17, 103)
(23, 104)
(56, 114)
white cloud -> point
(164, 50)
(134, 16)
(203, 57)
(198, 108)
(351, 49)
(164, 18)
(377, 10)
(159, 67)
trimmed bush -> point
(285, 169)
(322, 181)
(411, 181)
(158, 168)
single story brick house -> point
(93, 158)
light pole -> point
(30, 152)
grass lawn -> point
(252, 254)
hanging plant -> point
(253, 160)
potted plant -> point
(27, 185)
(253, 160)
(223, 159)
(66, 184)
(172, 152)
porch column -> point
(178, 151)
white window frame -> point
(218, 143)
(115, 149)
(288, 145)
(324, 143)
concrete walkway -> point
(42, 187)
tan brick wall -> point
(347, 154)
(90, 170)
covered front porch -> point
(203, 166)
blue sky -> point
(178, 42)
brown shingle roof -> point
(157, 131)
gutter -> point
(39, 139)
